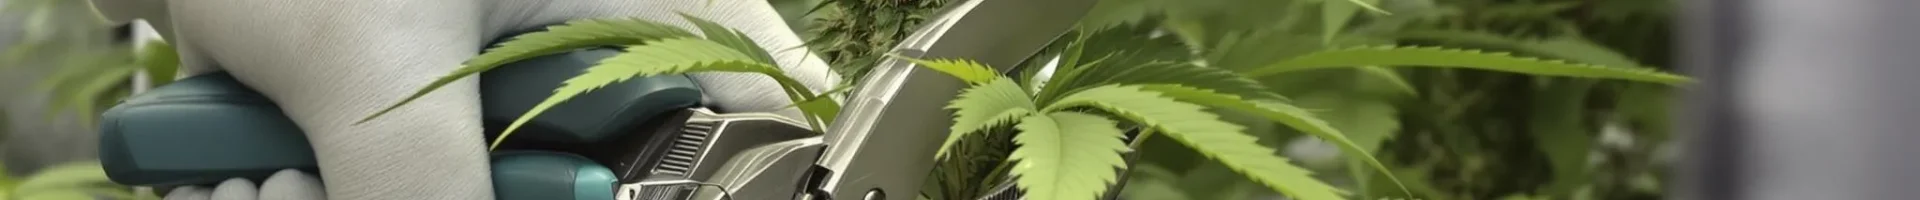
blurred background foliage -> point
(1449, 133)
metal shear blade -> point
(883, 145)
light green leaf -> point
(1391, 78)
(823, 105)
(64, 177)
(1559, 131)
(1473, 59)
(93, 93)
(1368, 4)
(1299, 119)
(1334, 16)
(1167, 73)
(573, 35)
(59, 195)
(731, 38)
(1567, 47)
(78, 83)
(1204, 132)
(1067, 155)
(987, 105)
(968, 71)
(668, 56)
(160, 61)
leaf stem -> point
(1141, 139)
(995, 177)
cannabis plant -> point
(1127, 82)
(91, 64)
(1370, 100)
(71, 181)
(1070, 130)
(854, 35)
(652, 49)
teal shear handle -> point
(208, 128)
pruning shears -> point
(883, 145)
(646, 138)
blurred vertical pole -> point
(1804, 99)
(1709, 42)
(141, 33)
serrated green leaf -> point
(979, 107)
(1473, 59)
(1204, 132)
(663, 57)
(1297, 118)
(1391, 78)
(973, 73)
(1067, 155)
(1567, 47)
(573, 35)
(1169, 73)
(731, 38)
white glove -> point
(329, 63)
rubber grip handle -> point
(546, 175)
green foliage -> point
(853, 35)
(82, 180)
(1443, 57)
(990, 104)
(573, 35)
(1067, 155)
(653, 49)
(1191, 125)
(1139, 99)
(973, 73)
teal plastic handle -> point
(606, 112)
(199, 130)
(546, 175)
(208, 128)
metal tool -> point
(883, 145)
(642, 139)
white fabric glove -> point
(329, 63)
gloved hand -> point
(329, 63)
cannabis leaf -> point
(1205, 132)
(663, 57)
(971, 72)
(1444, 57)
(1067, 155)
(573, 35)
(994, 103)
(1167, 73)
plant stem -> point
(994, 177)
(1141, 139)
